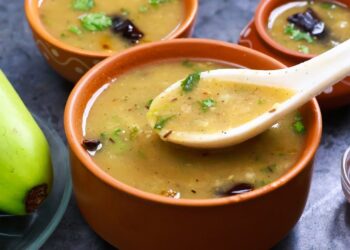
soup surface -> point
(121, 142)
(211, 105)
(310, 27)
(112, 25)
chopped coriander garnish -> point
(298, 124)
(269, 169)
(157, 2)
(103, 136)
(75, 29)
(207, 104)
(124, 12)
(143, 8)
(117, 132)
(96, 21)
(161, 121)
(133, 133)
(303, 49)
(297, 34)
(299, 127)
(83, 5)
(149, 103)
(63, 35)
(190, 82)
(187, 63)
(328, 6)
(260, 101)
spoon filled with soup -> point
(220, 108)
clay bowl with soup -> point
(300, 30)
(139, 192)
(74, 35)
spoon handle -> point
(323, 71)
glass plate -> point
(31, 231)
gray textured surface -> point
(325, 223)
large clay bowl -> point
(132, 219)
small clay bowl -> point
(345, 174)
(335, 97)
(129, 218)
(71, 62)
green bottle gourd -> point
(25, 164)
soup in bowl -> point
(91, 30)
(131, 185)
(282, 32)
(310, 27)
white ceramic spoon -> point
(307, 80)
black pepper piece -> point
(238, 189)
(308, 21)
(126, 28)
(91, 144)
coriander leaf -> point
(328, 6)
(206, 104)
(260, 101)
(297, 34)
(75, 29)
(157, 2)
(96, 21)
(117, 131)
(143, 8)
(289, 29)
(187, 63)
(303, 49)
(133, 133)
(83, 5)
(161, 121)
(302, 36)
(269, 169)
(103, 136)
(149, 103)
(190, 82)
(299, 127)
(298, 124)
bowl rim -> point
(345, 178)
(88, 163)
(32, 13)
(260, 24)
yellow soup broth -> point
(212, 106)
(64, 19)
(130, 151)
(335, 17)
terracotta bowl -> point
(70, 62)
(335, 97)
(132, 219)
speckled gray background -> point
(325, 223)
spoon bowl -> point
(305, 80)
